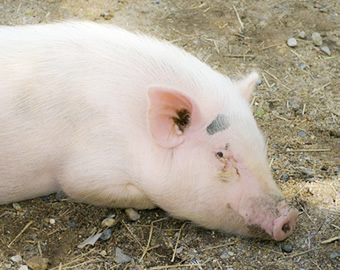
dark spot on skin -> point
(182, 120)
(219, 124)
(226, 146)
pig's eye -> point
(219, 154)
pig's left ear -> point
(170, 114)
(247, 85)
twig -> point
(238, 18)
(179, 235)
(132, 233)
(303, 109)
(180, 265)
(330, 240)
(280, 117)
(219, 246)
(20, 233)
(148, 244)
(271, 46)
(278, 80)
(309, 150)
(240, 55)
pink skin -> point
(121, 120)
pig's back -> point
(71, 86)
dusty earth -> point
(297, 105)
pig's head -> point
(217, 174)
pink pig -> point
(123, 120)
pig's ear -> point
(247, 85)
(169, 115)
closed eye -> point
(219, 154)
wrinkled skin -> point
(121, 120)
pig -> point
(119, 119)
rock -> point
(37, 263)
(334, 255)
(295, 103)
(109, 222)
(106, 235)
(284, 177)
(52, 221)
(121, 257)
(302, 35)
(132, 214)
(17, 206)
(301, 65)
(16, 258)
(23, 267)
(317, 39)
(224, 255)
(287, 248)
(302, 134)
(326, 50)
(72, 224)
(292, 42)
(308, 172)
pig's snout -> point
(284, 225)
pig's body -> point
(121, 120)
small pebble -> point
(292, 42)
(37, 263)
(230, 253)
(132, 214)
(16, 206)
(108, 222)
(103, 253)
(179, 250)
(284, 177)
(295, 103)
(308, 172)
(16, 258)
(334, 255)
(224, 256)
(317, 39)
(302, 134)
(23, 267)
(301, 65)
(33, 236)
(287, 248)
(106, 235)
(326, 50)
(302, 35)
(52, 221)
(72, 224)
(121, 257)
(8, 265)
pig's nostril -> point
(286, 227)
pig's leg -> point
(95, 178)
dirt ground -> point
(297, 105)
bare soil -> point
(297, 106)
